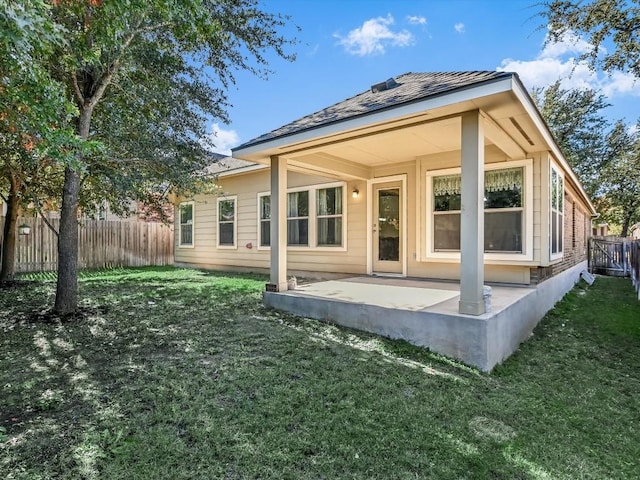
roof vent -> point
(382, 86)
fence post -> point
(624, 257)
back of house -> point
(375, 185)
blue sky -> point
(346, 46)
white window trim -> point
(560, 254)
(343, 215)
(259, 244)
(227, 198)
(313, 219)
(193, 225)
(526, 255)
(310, 224)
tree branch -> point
(76, 89)
(47, 222)
(105, 79)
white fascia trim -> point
(466, 94)
(536, 117)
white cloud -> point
(559, 61)
(620, 83)
(373, 36)
(417, 20)
(569, 43)
(459, 27)
(543, 72)
(220, 140)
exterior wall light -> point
(24, 229)
(355, 193)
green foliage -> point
(149, 76)
(35, 130)
(576, 121)
(146, 77)
(619, 192)
(606, 24)
(606, 158)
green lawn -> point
(182, 374)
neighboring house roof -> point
(404, 89)
(221, 164)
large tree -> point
(611, 26)
(606, 158)
(146, 77)
(34, 132)
(576, 120)
(618, 197)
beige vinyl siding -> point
(247, 256)
(538, 199)
(353, 260)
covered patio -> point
(426, 312)
(392, 136)
(422, 166)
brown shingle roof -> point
(407, 88)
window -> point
(329, 216)
(264, 202)
(226, 222)
(298, 218)
(504, 211)
(186, 224)
(315, 217)
(556, 186)
(446, 214)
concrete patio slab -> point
(403, 297)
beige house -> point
(445, 176)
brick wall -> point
(577, 227)
(575, 235)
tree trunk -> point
(67, 286)
(8, 268)
(626, 223)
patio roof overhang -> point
(352, 148)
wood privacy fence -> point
(609, 256)
(101, 244)
(615, 257)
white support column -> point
(472, 216)
(278, 224)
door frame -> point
(403, 231)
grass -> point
(183, 374)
